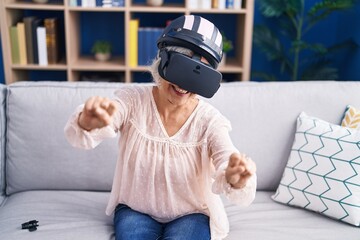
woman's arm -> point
(235, 175)
(91, 123)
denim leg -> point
(189, 227)
(133, 225)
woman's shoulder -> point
(211, 115)
(208, 110)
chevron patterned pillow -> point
(351, 118)
(323, 170)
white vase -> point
(102, 56)
(154, 3)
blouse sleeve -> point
(221, 148)
(78, 137)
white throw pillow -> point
(323, 170)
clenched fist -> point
(98, 112)
(239, 170)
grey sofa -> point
(66, 189)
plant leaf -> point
(263, 76)
(272, 8)
(324, 8)
(275, 8)
(268, 42)
(320, 71)
(318, 48)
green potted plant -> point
(101, 50)
(297, 58)
(227, 47)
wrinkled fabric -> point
(167, 176)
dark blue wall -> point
(336, 28)
(2, 76)
(349, 27)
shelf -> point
(80, 27)
(167, 8)
(96, 9)
(87, 63)
(51, 67)
(34, 6)
(218, 11)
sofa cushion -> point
(323, 171)
(351, 118)
(38, 155)
(80, 215)
(267, 219)
(61, 215)
(2, 140)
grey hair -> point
(155, 64)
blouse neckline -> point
(157, 114)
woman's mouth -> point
(179, 90)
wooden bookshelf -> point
(74, 63)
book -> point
(15, 55)
(141, 46)
(204, 4)
(118, 3)
(73, 3)
(106, 3)
(22, 42)
(229, 4)
(34, 25)
(51, 25)
(42, 49)
(221, 4)
(133, 42)
(194, 4)
(29, 39)
(156, 32)
(148, 45)
(237, 4)
(91, 3)
(215, 4)
(84, 3)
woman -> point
(175, 155)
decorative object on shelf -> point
(294, 21)
(227, 47)
(101, 50)
(40, 1)
(154, 3)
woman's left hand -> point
(239, 170)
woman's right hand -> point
(98, 112)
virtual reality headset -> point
(189, 73)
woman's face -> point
(174, 94)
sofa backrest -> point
(38, 155)
(263, 117)
(2, 141)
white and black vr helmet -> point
(188, 72)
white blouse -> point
(165, 176)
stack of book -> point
(143, 48)
(216, 4)
(97, 3)
(35, 41)
(147, 49)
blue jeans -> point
(130, 224)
